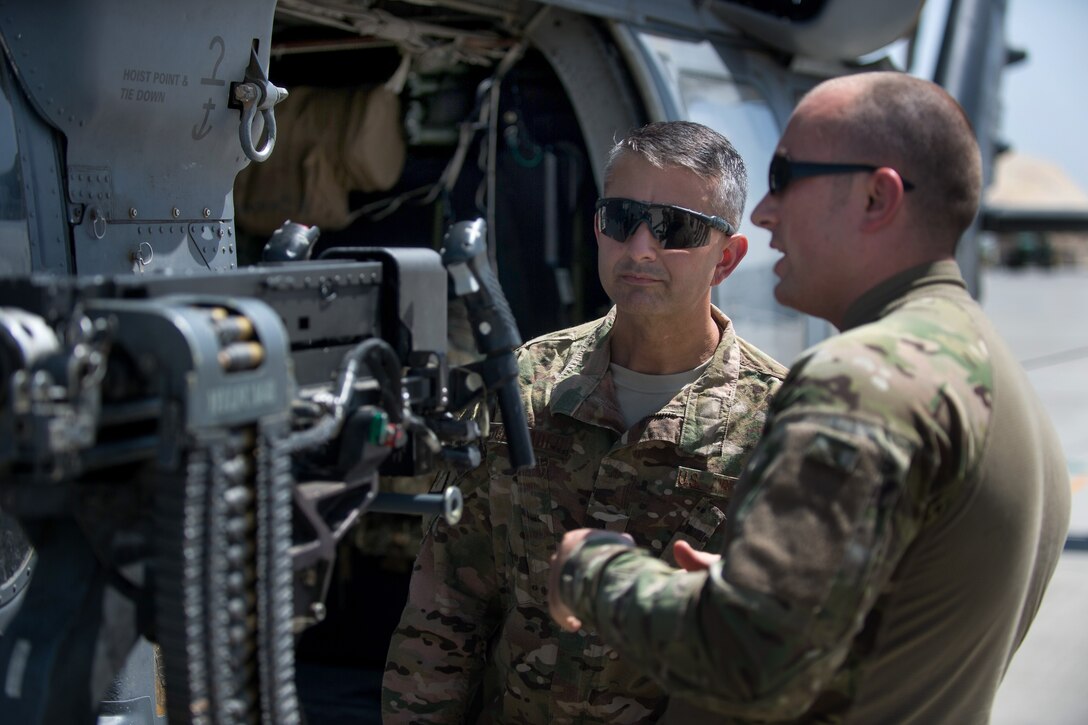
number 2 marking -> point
(212, 80)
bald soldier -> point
(892, 535)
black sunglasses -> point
(674, 227)
(783, 171)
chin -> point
(784, 298)
(640, 304)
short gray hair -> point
(695, 147)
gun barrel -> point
(449, 504)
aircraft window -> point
(741, 113)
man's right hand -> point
(690, 559)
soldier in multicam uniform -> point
(641, 422)
(893, 533)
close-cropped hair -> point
(695, 147)
(916, 127)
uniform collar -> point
(586, 392)
(917, 281)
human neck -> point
(663, 346)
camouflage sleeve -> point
(826, 509)
(437, 652)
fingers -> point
(570, 623)
(690, 559)
(559, 611)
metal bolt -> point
(176, 212)
(318, 610)
(132, 212)
(245, 93)
(207, 212)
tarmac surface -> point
(1043, 315)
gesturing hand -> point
(560, 612)
(690, 559)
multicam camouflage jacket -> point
(889, 541)
(476, 626)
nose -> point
(766, 212)
(642, 245)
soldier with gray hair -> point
(891, 537)
(641, 422)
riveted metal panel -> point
(143, 106)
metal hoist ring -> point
(97, 219)
(256, 93)
(245, 130)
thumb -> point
(691, 560)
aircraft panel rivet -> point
(132, 212)
(176, 212)
(207, 212)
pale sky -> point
(1046, 97)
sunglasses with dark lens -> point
(783, 171)
(674, 227)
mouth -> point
(637, 279)
(780, 263)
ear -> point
(885, 199)
(734, 250)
